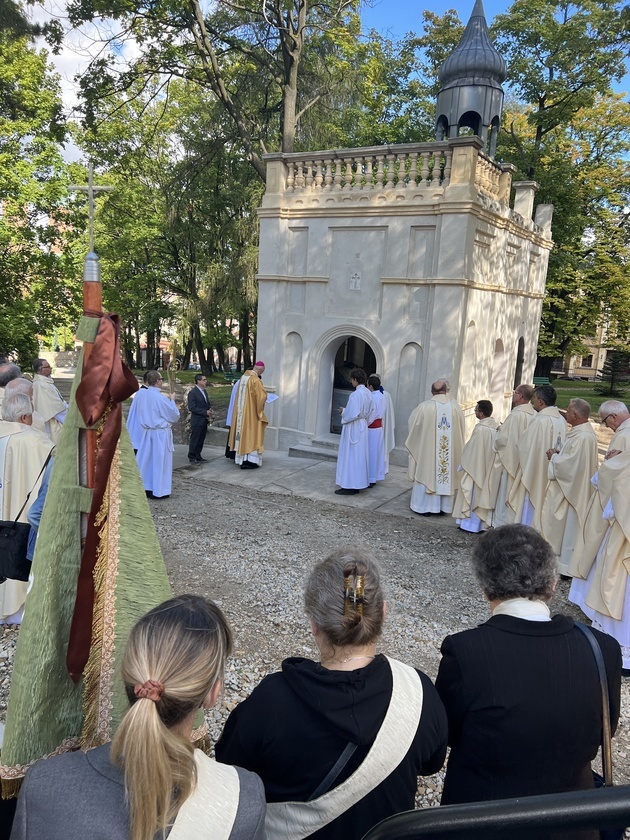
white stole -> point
(210, 810)
(296, 820)
(443, 449)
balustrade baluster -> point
(299, 177)
(349, 175)
(390, 171)
(380, 173)
(413, 169)
(290, 177)
(401, 175)
(318, 175)
(338, 175)
(309, 174)
(424, 173)
(328, 178)
(369, 175)
(446, 173)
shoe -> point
(193, 461)
(441, 513)
(202, 460)
(566, 577)
(426, 514)
(149, 494)
(372, 484)
(247, 465)
(345, 491)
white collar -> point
(524, 608)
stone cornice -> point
(358, 211)
(412, 281)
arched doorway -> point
(352, 352)
(499, 378)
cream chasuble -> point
(569, 491)
(504, 468)
(546, 431)
(435, 443)
(23, 452)
(477, 460)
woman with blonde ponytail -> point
(339, 743)
(150, 783)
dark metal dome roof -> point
(474, 57)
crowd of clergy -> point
(540, 468)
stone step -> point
(315, 453)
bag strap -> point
(334, 772)
(603, 682)
(34, 485)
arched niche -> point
(498, 379)
(410, 387)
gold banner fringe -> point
(10, 788)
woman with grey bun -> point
(339, 743)
(522, 690)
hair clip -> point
(353, 595)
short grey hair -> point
(345, 622)
(581, 407)
(15, 406)
(18, 386)
(612, 407)
(8, 371)
(514, 561)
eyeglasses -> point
(603, 422)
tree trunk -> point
(244, 333)
(543, 366)
(187, 353)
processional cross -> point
(92, 306)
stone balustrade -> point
(385, 170)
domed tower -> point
(471, 95)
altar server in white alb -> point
(569, 490)
(547, 430)
(376, 436)
(353, 459)
(471, 507)
(155, 415)
(435, 443)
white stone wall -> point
(440, 278)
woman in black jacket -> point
(522, 691)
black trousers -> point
(197, 437)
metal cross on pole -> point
(92, 307)
(91, 269)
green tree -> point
(270, 65)
(37, 267)
(615, 374)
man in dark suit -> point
(200, 413)
(522, 691)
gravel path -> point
(251, 551)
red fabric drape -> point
(106, 381)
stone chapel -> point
(406, 260)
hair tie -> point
(150, 690)
(353, 595)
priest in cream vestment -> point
(569, 489)
(547, 431)
(23, 452)
(435, 442)
(477, 460)
(505, 466)
(602, 572)
(47, 400)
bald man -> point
(435, 443)
(569, 490)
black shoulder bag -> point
(607, 779)
(14, 541)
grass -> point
(568, 390)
